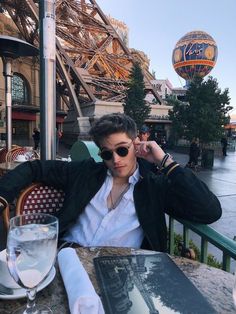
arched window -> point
(20, 90)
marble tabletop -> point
(215, 284)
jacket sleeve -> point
(57, 173)
(188, 197)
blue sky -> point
(155, 27)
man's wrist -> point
(169, 161)
(168, 169)
(165, 161)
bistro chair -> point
(4, 152)
(37, 198)
(12, 155)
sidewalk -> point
(222, 181)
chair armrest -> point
(6, 218)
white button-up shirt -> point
(97, 226)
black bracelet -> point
(164, 159)
(2, 206)
(3, 202)
(169, 167)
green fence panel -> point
(81, 150)
(209, 235)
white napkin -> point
(5, 277)
(21, 158)
(81, 294)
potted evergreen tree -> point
(135, 105)
(203, 115)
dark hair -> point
(113, 123)
(144, 129)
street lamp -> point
(12, 48)
(47, 31)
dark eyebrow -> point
(122, 143)
(118, 144)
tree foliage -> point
(135, 105)
(204, 113)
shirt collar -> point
(135, 176)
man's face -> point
(122, 167)
(144, 136)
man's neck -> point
(120, 181)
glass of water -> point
(234, 290)
(31, 253)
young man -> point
(119, 202)
(36, 138)
(144, 133)
(224, 144)
(194, 153)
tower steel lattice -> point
(93, 63)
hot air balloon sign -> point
(194, 55)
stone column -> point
(84, 125)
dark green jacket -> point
(181, 194)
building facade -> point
(25, 92)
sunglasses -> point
(122, 151)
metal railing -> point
(208, 235)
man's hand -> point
(150, 151)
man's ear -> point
(136, 140)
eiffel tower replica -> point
(92, 62)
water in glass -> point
(31, 253)
(234, 291)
